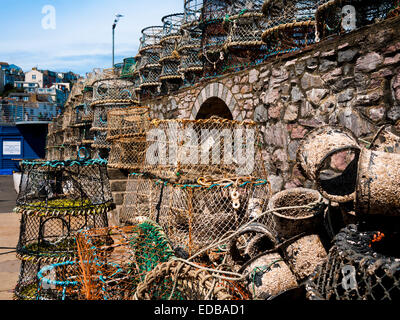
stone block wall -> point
(352, 81)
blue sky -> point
(82, 38)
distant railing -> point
(13, 114)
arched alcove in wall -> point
(214, 106)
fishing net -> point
(290, 24)
(113, 261)
(195, 215)
(336, 17)
(362, 265)
(175, 281)
(188, 149)
(56, 200)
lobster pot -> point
(189, 48)
(83, 114)
(328, 155)
(100, 140)
(169, 57)
(87, 95)
(58, 199)
(59, 281)
(142, 199)
(128, 123)
(71, 135)
(100, 113)
(214, 35)
(244, 40)
(192, 12)
(337, 17)
(150, 79)
(171, 35)
(122, 256)
(128, 153)
(378, 183)
(355, 269)
(188, 149)
(128, 67)
(288, 223)
(194, 216)
(290, 24)
(85, 135)
(28, 285)
(113, 91)
(56, 187)
(54, 235)
(70, 152)
(170, 70)
(150, 67)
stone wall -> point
(352, 80)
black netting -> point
(341, 16)
(357, 268)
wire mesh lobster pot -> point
(214, 36)
(150, 67)
(175, 281)
(100, 140)
(245, 26)
(189, 48)
(192, 12)
(195, 215)
(127, 131)
(71, 135)
(70, 151)
(128, 123)
(86, 136)
(328, 155)
(58, 199)
(169, 57)
(100, 114)
(113, 261)
(110, 91)
(28, 285)
(189, 149)
(290, 24)
(337, 17)
(357, 269)
(59, 281)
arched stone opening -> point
(214, 106)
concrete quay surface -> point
(9, 232)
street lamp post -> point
(117, 17)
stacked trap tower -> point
(56, 200)
(170, 76)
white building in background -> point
(34, 76)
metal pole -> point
(113, 37)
